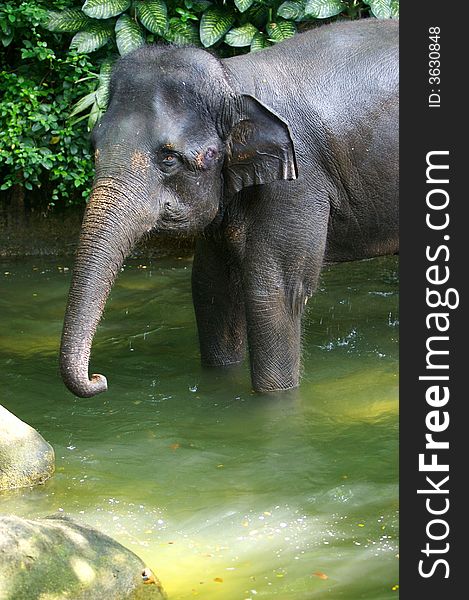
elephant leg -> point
(218, 303)
(277, 286)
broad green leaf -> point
(259, 42)
(243, 5)
(292, 9)
(129, 35)
(183, 34)
(7, 38)
(95, 115)
(103, 9)
(215, 22)
(102, 92)
(83, 104)
(98, 100)
(105, 70)
(280, 30)
(69, 19)
(153, 14)
(5, 27)
(258, 15)
(93, 37)
(241, 36)
(323, 9)
(380, 8)
(394, 9)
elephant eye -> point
(168, 158)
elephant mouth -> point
(182, 220)
(174, 215)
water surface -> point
(224, 493)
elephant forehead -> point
(119, 125)
(164, 120)
(170, 130)
(180, 103)
(177, 123)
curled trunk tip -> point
(97, 384)
(90, 387)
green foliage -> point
(280, 30)
(221, 24)
(215, 24)
(241, 36)
(384, 9)
(153, 15)
(182, 33)
(103, 9)
(129, 35)
(68, 20)
(292, 10)
(92, 37)
(243, 5)
(259, 42)
(57, 58)
(218, 22)
(323, 9)
(40, 148)
(97, 99)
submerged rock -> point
(25, 457)
(58, 559)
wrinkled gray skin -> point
(282, 159)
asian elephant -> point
(279, 160)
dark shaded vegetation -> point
(55, 62)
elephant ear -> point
(259, 148)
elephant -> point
(276, 161)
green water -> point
(224, 493)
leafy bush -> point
(232, 23)
(39, 80)
(48, 79)
(230, 26)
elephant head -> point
(175, 144)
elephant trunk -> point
(112, 225)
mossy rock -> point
(58, 559)
(26, 458)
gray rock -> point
(58, 559)
(25, 457)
